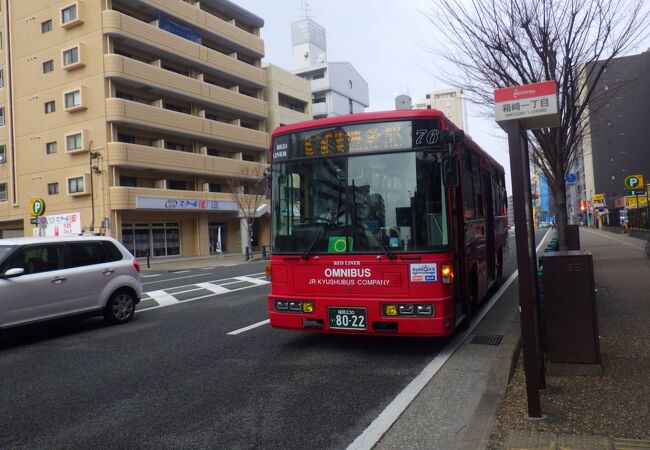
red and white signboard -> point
(533, 105)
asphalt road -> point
(175, 378)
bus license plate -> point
(348, 318)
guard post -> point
(518, 109)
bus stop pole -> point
(527, 267)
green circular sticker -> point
(340, 245)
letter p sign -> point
(37, 207)
(634, 182)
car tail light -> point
(136, 265)
(268, 270)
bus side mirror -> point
(450, 172)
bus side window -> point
(467, 184)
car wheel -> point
(120, 307)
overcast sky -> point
(385, 40)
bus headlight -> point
(409, 309)
(294, 306)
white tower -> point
(308, 41)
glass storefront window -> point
(161, 239)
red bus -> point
(386, 223)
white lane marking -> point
(213, 288)
(257, 281)
(379, 426)
(151, 276)
(162, 298)
(194, 298)
(250, 327)
(180, 271)
(199, 275)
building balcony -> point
(125, 197)
(319, 109)
(147, 117)
(210, 24)
(153, 158)
(137, 73)
(154, 40)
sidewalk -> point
(595, 412)
(196, 262)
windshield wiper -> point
(315, 239)
(387, 250)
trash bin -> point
(571, 320)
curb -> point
(502, 368)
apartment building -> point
(448, 100)
(139, 119)
(288, 97)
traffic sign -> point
(571, 178)
(33, 221)
(37, 206)
(634, 182)
(636, 192)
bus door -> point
(488, 195)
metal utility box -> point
(570, 307)
(573, 237)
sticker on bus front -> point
(424, 272)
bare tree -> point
(501, 43)
(249, 191)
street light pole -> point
(92, 156)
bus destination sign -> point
(358, 138)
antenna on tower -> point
(306, 9)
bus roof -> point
(381, 116)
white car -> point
(45, 278)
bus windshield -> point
(373, 203)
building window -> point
(161, 239)
(75, 185)
(3, 154)
(214, 187)
(350, 106)
(48, 66)
(128, 181)
(46, 26)
(3, 192)
(124, 95)
(318, 100)
(174, 146)
(291, 103)
(74, 141)
(50, 148)
(52, 188)
(2, 116)
(50, 107)
(176, 185)
(71, 56)
(68, 14)
(2, 78)
(126, 138)
(319, 75)
(72, 99)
